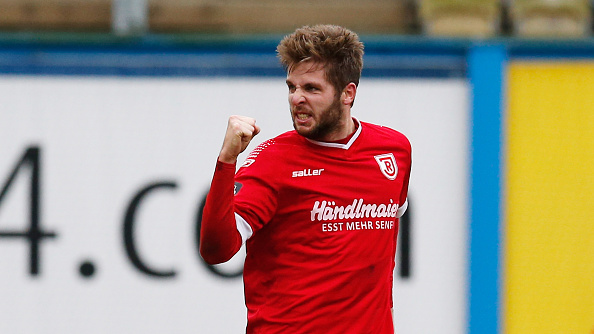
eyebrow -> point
(307, 84)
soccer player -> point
(317, 207)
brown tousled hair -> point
(335, 47)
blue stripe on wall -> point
(232, 59)
(485, 70)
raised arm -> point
(219, 237)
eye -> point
(311, 88)
(291, 88)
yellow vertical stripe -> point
(549, 251)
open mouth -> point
(302, 119)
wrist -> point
(227, 160)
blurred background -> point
(485, 18)
(112, 113)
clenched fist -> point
(240, 131)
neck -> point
(347, 128)
(344, 132)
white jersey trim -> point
(402, 209)
(244, 229)
(337, 145)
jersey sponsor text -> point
(328, 210)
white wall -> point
(103, 139)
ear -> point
(348, 94)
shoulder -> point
(271, 149)
(386, 134)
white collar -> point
(338, 145)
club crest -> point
(387, 164)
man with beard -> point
(317, 207)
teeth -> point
(302, 116)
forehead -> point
(308, 71)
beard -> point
(329, 121)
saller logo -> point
(387, 164)
(248, 162)
(307, 172)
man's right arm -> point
(219, 237)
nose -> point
(297, 97)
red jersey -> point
(322, 221)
